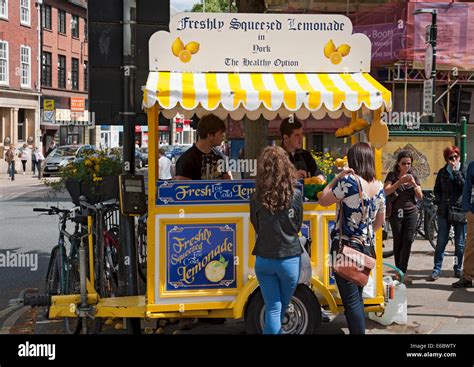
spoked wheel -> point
(433, 236)
(387, 240)
(302, 317)
(72, 325)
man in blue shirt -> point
(468, 207)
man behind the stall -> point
(291, 131)
(201, 161)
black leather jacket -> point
(447, 190)
(277, 234)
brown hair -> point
(449, 151)
(402, 154)
(288, 125)
(361, 160)
(209, 125)
(275, 179)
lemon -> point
(177, 46)
(215, 271)
(185, 56)
(336, 58)
(329, 48)
(340, 163)
(307, 181)
(344, 50)
(318, 195)
(192, 47)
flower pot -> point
(108, 189)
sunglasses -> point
(453, 157)
(406, 164)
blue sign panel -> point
(204, 192)
(306, 228)
(200, 256)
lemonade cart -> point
(199, 235)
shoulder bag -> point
(305, 264)
(351, 264)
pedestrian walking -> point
(164, 165)
(33, 159)
(467, 274)
(39, 161)
(402, 189)
(448, 191)
(277, 216)
(361, 199)
(10, 159)
(23, 155)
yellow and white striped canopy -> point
(252, 94)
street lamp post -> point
(432, 41)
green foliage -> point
(214, 6)
(325, 162)
(91, 169)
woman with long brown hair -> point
(276, 212)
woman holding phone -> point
(402, 189)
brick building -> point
(19, 77)
(64, 73)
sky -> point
(183, 5)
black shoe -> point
(462, 283)
(457, 274)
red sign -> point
(78, 104)
(138, 128)
(163, 128)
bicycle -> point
(63, 273)
(141, 247)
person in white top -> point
(164, 166)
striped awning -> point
(255, 93)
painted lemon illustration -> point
(177, 46)
(192, 47)
(185, 56)
(335, 54)
(215, 270)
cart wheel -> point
(302, 317)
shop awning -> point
(253, 94)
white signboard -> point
(428, 61)
(49, 117)
(428, 97)
(207, 42)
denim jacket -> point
(468, 192)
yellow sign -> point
(48, 104)
(427, 156)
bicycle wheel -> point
(53, 284)
(141, 251)
(433, 236)
(387, 240)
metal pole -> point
(433, 36)
(128, 260)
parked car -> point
(173, 152)
(62, 155)
(144, 157)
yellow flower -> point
(97, 168)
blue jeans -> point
(278, 279)
(351, 296)
(443, 235)
(11, 170)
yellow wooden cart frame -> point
(238, 95)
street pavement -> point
(433, 307)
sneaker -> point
(434, 276)
(457, 274)
(24, 173)
(462, 283)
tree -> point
(214, 6)
(256, 132)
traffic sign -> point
(428, 61)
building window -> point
(61, 21)
(25, 12)
(46, 69)
(4, 9)
(25, 60)
(86, 75)
(46, 15)
(75, 26)
(75, 74)
(61, 71)
(85, 29)
(71, 135)
(4, 62)
(21, 124)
